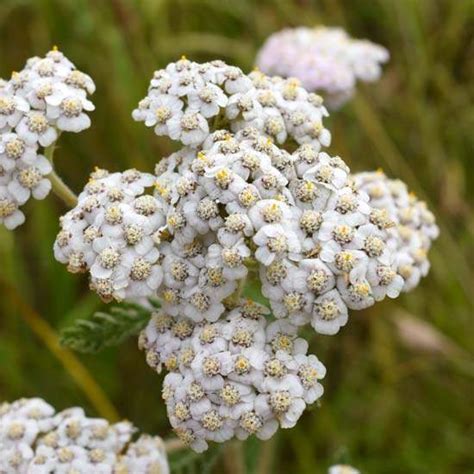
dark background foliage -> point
(393, 403)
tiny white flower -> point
(329, 313)
(210, 369)
(68, 111)
(31, 180)
(203, 214)
(160, 110)
(281, 335)
(14, 150)
(357, 294)
(139, 275)
(208, 100)
(274, 241)
(12, 109)
(231, 259)
(191, 128)
(34, 128)
(10, 215)
(384, 280)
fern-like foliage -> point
(105, 328)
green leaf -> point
(106, 328)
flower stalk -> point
(59, 187)
(72, 365)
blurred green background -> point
(399, 393)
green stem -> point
(60, 188)
(220, 122)
(234, 298)
(241, 287)
(73, 366)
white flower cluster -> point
(242, 201)
(48, 96)
(112, 233)
(250, 195)
(237, 377)
(234, 201)
(411, 238)
(326, 60)
(187, 101)
(34, 439)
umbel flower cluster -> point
(47, 97)
(241, 201)
(415, 228)
(325, 59)
(113, 234)
(187, 101)
(35, 439)
(250, 198)
(236, 377)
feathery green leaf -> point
(106, 328)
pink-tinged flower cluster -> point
(325, 60)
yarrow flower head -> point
(251, 194)
(35, 439)
(113, 234)
(415, 226)
(47, 97)
(326, 60)
(187, 100)
(237, 377)
(242, 199)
